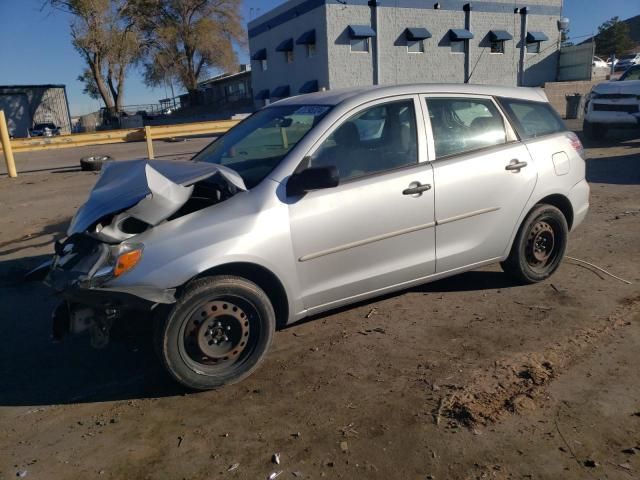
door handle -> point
(515, 165)
(417, 190)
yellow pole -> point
(6, 146)
(147, 135)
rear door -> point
(483, 179)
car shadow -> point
(475, 280)
(620, 170)
(35, 371)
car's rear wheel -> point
(217, 333)
(94, 163)
(539, 246)
(594, 131)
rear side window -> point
(533, 119)
(461, 125)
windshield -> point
(632, 74)
(256, 146)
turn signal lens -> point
(127, 261)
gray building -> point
(307, 45)
(26, 105)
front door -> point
(483, 178)
(376, 229)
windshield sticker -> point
(315, 110)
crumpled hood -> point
(628, 87)
(124, 184)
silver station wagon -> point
(315, 202)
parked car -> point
(614, 104)
(599, 63)
(627, 61)
(293, 212)
(610, 60)
(44, 130)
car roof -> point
(368, 93)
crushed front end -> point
(103, 242)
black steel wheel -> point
(217, 333)
(539, 246)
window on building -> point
(415, 46)
(378, 139)
(289, 56)
(497, 46)
(360, 44)
(311, 50)
(533, 47)
(457, 46)
(463, 124)
(263, 65)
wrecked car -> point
(312, 203)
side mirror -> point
(313, 178)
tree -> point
(187, 38)
(105, 34)
(613, 37)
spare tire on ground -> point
(93, 163)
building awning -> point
(361, 31)
(286, 46)
(309, 87)
(500, 35)
(260, 55)
(417, 33)
(307, 38)
(262, 95)
(281, 91)
(536, 37)
(457, 34)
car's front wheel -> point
(539, 246)
(217, 333)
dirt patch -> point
(514, 384)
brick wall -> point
(556, 92)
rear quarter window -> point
(532, 119)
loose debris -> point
(372, 312)
(344, 446)
(233, 467)
(274, 475)
(276, 458)
(21, 473)
(599, 269)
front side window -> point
(533, 119)
(415, 46)
(460, 125)
(360, 45)
(497, 46)
(254, 147)
(533, 47)
(457, 46)
(375, 140)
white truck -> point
(613, 104)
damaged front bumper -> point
(80, 272)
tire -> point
(93, 163)
(231, 342)
(593, 131)
(539, 246)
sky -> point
(35, 45)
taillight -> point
(575, 143)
